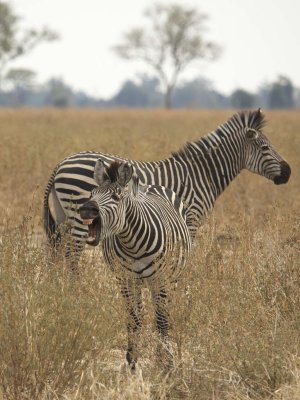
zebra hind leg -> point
(66, 234)
(73, 251)
(135, 311)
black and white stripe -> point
(145, 239)
(198, 174)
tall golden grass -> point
(235, 334)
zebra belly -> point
(130, 267)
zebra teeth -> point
(87, 221)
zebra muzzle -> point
(89, 213)
(284, 175)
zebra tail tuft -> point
(50, 225)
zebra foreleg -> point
(134, 307)
(164, 350)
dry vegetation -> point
(235, 335)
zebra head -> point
(104, 213)
(260, 155)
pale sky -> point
(260, 40)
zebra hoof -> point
(131, 361)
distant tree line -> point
(170, 39)
(278, 94)
(144, 92)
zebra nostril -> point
(89, 210)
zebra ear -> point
(134, 185)
(100, 175)
(125, 172)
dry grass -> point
(235, 335)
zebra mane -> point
(112, 171)
(243, 119)
(249, 119)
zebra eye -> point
(265, 147)
(251, 134)
(115, 196)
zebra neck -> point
(138, 219)
(215, 160)
(201, 170)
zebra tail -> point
(50, 225)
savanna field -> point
(235, 331)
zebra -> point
(198, 173)
(143, 230)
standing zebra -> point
(145, 239)
(198, 174)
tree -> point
(59, 94)
(297, 98)
(14, 41)
(144, 93)
(198, 93)
(282, 93)
(22, 81)
(240, 98)
(130, 95)
(21, 77)
(263, 96)
(171, 43)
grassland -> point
(235, 336)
